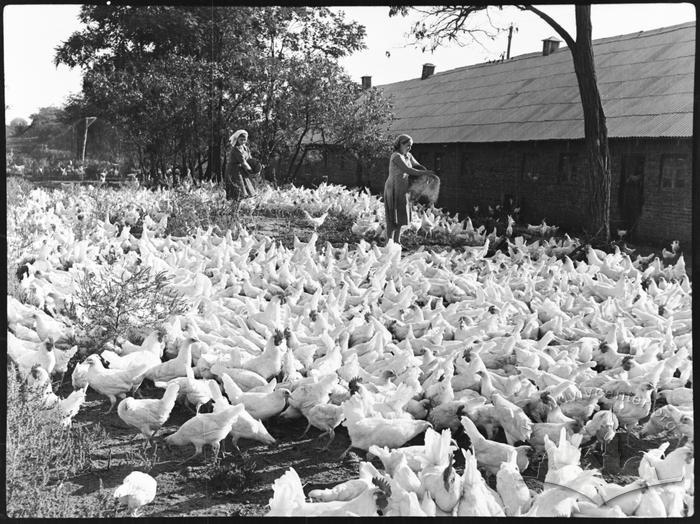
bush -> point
(41, 454)
(17, 188)
(109, 304)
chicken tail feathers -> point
(170, 396)
(288, 494)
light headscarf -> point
(400, 139)
(234, 137)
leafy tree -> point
(181, 78)
(18, 126)
(295, 43)
(441, 23)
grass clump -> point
(41, 454)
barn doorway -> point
(631, 198)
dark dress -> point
(237, 177)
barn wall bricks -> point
(535, 174)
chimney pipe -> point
(428, 70)
(366, 82)
(549, 45)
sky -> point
(33, 81)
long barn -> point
(515, 129)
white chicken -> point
(148, 415)
(136, 490)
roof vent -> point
(549, 45)
(428, 70)
(366, 82)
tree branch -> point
(559, 29)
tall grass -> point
(41, 456)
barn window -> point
(438, 162)
(530, 171)
(567, 167)
(673, 171)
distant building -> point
(515, 128)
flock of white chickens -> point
(387, 345)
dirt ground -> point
(241, 485)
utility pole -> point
(88, 120)
(510, 36)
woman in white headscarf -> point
(238, 169)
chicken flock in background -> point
(526, 353)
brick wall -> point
(547, 179)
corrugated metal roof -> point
(646, 80)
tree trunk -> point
(301, 161)
(596, 133)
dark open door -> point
(631, 199)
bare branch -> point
(559, 29)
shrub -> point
(115, 301)
(41, 454)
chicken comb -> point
(352, 385)
(383, 485)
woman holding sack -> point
(240, 167)
(397, 204)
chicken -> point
(680, 397)
(341, 492)
(316, 222)
(69, 406)
(39, 382)
(448, 415)
(367, 431)
(288, 500)
(244, 378)
(63, 357)
(260, 405)
(148, 415)
(491, 454)
(477, 498)
(511, 487)
(517, 426)
(630, 409)
(307, 396)
(49, 328)
(25, 358)
(136, 490)
(566, 453)
(551, 430)
(153, 343)
(245, 425)
(325, 417)
(602, 427)
(79, 377)
(131, 360)
(625, 498)
(553, 502)
(207, 428)
(443, 485)
(112, 383)
(675, 466)
(583, 408)
(269, 363)
(174, 368)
